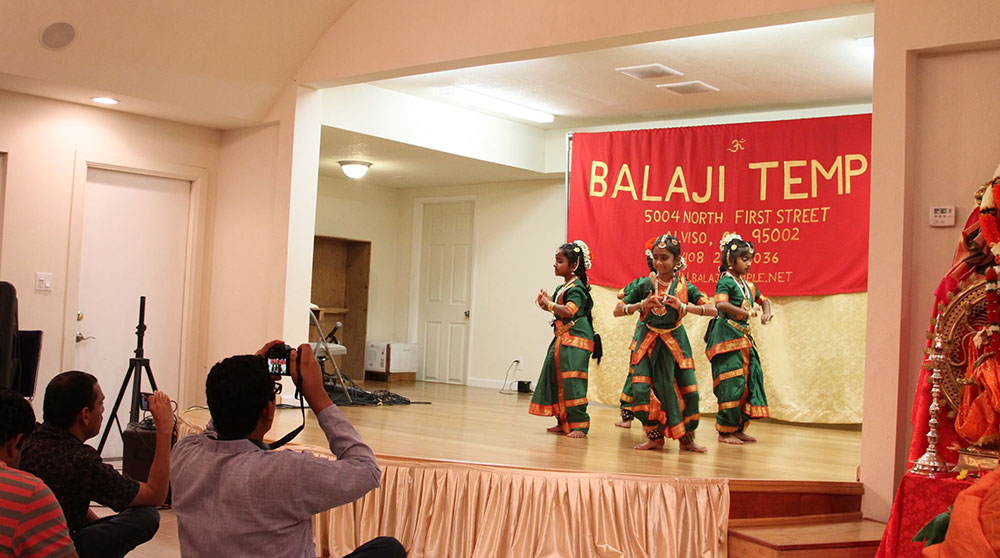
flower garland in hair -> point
(581, 246)
(729, 238)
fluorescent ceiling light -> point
(104, 100)
(493, 104)
(354, 169)
(867, 45)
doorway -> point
(134, 242)
(445, 296)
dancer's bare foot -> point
(692, 446)
(651, 444)
(745, 437)
(556, 428)
(576, 434)
(730, 439)
(624, 424)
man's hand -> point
(162, 411)
(308, 376)
(263, 350)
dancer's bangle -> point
(550, 305)
(683, 309)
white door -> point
(134, 244)
(445, 286)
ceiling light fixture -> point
(104, 100)
(354, 169)
(493, 104)
(866, 45)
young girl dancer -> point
(736, 372)
(661, 390)
(562, 386)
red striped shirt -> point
(31, 522)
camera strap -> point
(291, 435)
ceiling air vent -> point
(688, 87)
(649, 71)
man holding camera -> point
(56, 453)
(233, 497)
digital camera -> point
(277, 359)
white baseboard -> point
(491, 383)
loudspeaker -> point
(523, 386)
(138, 447)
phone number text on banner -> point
(797, 189)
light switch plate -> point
(43, 281)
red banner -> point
(797, 189)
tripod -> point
(136, 365)
(321, 342)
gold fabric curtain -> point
(448, 509)
(813, 355)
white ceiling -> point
(218, 63)
(223, 64)
(401, 165)
(813, 63)
(808, 64)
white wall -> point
(517, 230)
(247, 263)
(43, 139)
(934, 139)
(359, 211)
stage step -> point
(844, 539)
(756, 502)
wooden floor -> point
(483, 426)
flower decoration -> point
(581, 246)
(681, 264)
(990, 226)
(727, 239)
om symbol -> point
(737, 145)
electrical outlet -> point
(520, 363)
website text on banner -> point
(797, 189)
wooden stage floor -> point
(480, 425)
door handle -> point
(81, 337)
(466, 313)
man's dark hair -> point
(66, 395)
(238, 389)
(16, 415)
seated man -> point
(33, 524)
(233, 497)
(73, 411)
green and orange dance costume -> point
(562, 386)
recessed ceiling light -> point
(480, 100)
(104, 100)
(649, 71)
(688, 87)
